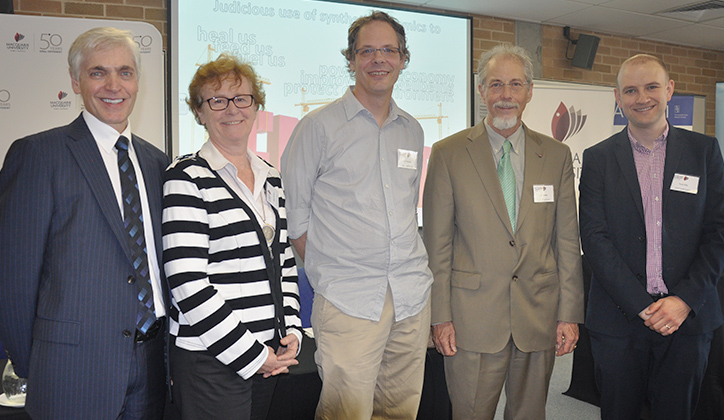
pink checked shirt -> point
(650, 169)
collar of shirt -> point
(658, 142)
(517, 140)
(218, 162)
(105, 135)
(352, 107)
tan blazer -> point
(490, 282)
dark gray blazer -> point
(65, 302)
(613, 233)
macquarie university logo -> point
(17, 45)
(60, 104)
(567, 122)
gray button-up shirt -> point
(353, 187)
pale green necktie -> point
(507, 181)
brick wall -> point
(151, 11)
(695, 70)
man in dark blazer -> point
(70, 294)
(652, 229)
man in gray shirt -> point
(352, 176)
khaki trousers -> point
(369, 370)
(475, 380)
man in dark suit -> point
(652, 229)
(80, 218)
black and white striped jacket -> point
(226, 298)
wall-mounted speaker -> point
(6, 6)
(585, 53)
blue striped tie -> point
(133, 223)
(507, 181)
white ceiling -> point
(643, 19)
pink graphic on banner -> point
(567, 122)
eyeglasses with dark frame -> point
(515, 86)
(217, 103)
(370, 52)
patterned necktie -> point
(507, 181)
(133, 223)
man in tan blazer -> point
(508, 289)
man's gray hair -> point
(507, 50)
(101, 39)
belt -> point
(657, 296)
(151, 332)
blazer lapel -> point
(674, 151)
(624, 157)
(534, 158)
(84, 149)
(481, 155)
(154, 193)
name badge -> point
(406, 159)
(543, 194)
(272, 197)
(685, 183)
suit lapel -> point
(154, 194)
(84, 149)
(481, 155)
(624, 157)
(674, 151)
(534, 158)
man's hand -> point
(443, 335)
(566, 337)
(666, 315)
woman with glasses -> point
(235, 319)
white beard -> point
(504, 123)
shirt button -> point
(126, 333)
(515, 278)
(131, 279)
(390, 213)
(658, 223)
(387, 185)
(656, 199)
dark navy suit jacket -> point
(66, 305)
(613, 233)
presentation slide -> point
(295, 46)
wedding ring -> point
(667, 326)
